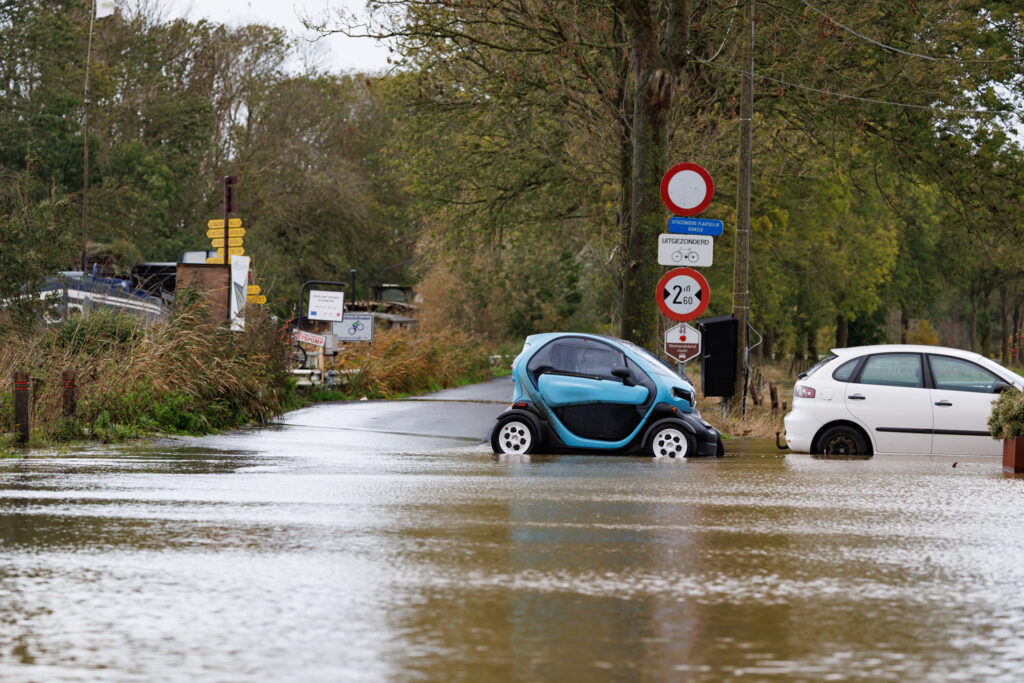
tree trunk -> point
(1004, 333)
(984, 325)
(904, 325)
(656, 58)
(842, 331)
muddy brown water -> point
(320, 552)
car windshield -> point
(656, 365)
(817, 366)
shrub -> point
(1007, 419)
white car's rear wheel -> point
(842, 440)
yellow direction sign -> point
(219, 223)
(232, 251)
(220, 259)
(256, 299)
(253, 290)
(213, 233)
(232, 241)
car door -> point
(889, 398)
(575, 380)
(962, 397)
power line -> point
(892, 48)
(846, 96)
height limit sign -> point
(682, 294)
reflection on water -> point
(274, 562)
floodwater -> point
(317, 551)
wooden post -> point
(70, 394)
(21, 425)
(773, 394)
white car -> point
(897, 398)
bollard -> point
(70, 394)
(21, 406)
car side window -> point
(893, 369)
(956, 374)
(575, 356)
(845, 371)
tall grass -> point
(180, 375)
(398, 362)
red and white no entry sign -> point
(682, 294)
(687, 189)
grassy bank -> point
(177, 376)
(183, 376)
(398, 364)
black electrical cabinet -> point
(719, 336)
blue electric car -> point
(577, 392)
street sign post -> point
(682, 294)
(682, 342)
(687, 189)
(232, 242)
(685, 250)
(695, 226)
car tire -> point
(514, 435)
(842, 440)
(720, 449)
(671, 441)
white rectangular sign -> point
(239, 286)
(685, 250)
(324, 305)
(309, 338)
(357, 327)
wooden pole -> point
(21, 425)
(740, 285)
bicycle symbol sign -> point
(682, 294)
(355, 327)
(685, 250)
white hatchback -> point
(897, 398)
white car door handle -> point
(943, 403)
(857, 397)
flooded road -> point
(372, 541)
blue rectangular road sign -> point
(695, 226)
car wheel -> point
(842, 441)
(514, 435)
(670, 441)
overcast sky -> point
(337, 53)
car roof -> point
(904, 348)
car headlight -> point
(684, 394)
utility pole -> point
(85, 141)
(741, 258)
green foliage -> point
(35, 239)
(98, 333)
(1007, 419)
